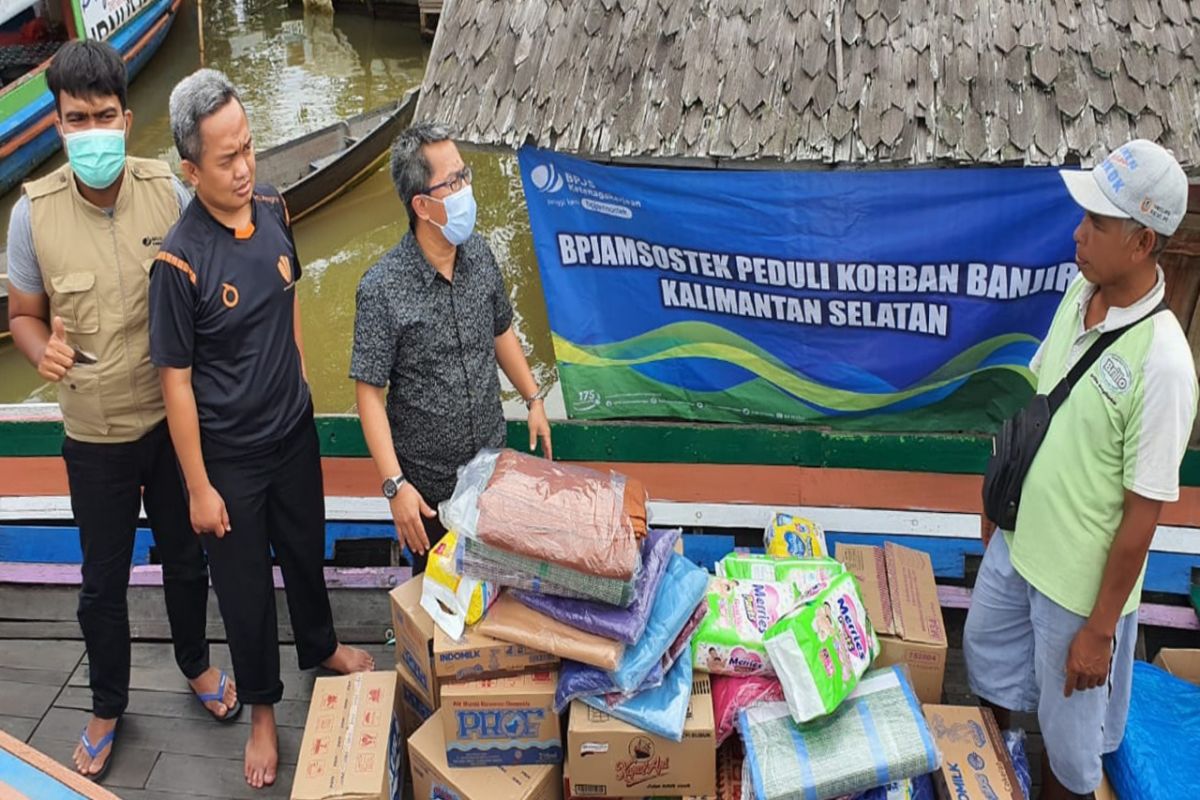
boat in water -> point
(31, 31)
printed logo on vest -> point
(229, 295)
(1114, 375)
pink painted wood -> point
(151, 575)
(1160, 616)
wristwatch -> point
(392, 486)
(538, 395)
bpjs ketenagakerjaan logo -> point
(546, 178)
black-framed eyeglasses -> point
(455, 182)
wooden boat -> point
(317, 167)
(136, 28)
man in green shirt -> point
(1053, 619)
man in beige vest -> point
(80, 245)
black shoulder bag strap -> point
(1058, 395)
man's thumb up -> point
(57, 329)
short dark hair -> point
(410, 168)
(87, 69)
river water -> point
(298, 72)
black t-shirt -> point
(221, 302)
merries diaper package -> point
(730, 640)
(787, 535)
(820, 649)
(809, 576)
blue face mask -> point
(97, 156)
(460, 215)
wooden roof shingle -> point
(1036, 82)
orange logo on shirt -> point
(285, 269)
(229, 295)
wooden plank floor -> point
(168, 745)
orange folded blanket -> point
(510, 621)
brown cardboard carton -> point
(900, 593)
(476, 656)
(352, 749)
(569, 792)
(433, 778)
(412, 708)
(975, 762)
(607, 757)
(1182, 663)
(1106, 792)
(502, 721)
(414, 628)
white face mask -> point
(460, 215)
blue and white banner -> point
(885, 299)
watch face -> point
(389, 488)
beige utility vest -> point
(95, 268)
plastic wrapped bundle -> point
(509, 621)
(733, 695)
(788, 535)
(623, 624)
(576, 680)
(1159, 757)
(878, 735)
(680, 591)
(919, 788)
(450, 599)
(661, 711)
(809, 576)
(484, 562)
(820, 649)
(564, 514)
(1014, 742)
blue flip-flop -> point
(94, 750)
(231, 712)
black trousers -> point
(276, 502)
(108, 484)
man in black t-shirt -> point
(225, 334)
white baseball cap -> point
(1140, 180)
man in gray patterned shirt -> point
(433, 322)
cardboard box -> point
(607, 757)
(975, 762)
(22, 765)
(502, 721)
(1181, 663)
(569, 793)
(1106, 792)
(414, 628)
(476, 656)
(901, 597)
(352, 748)
(412, 709)
(433, 778)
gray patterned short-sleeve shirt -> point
(431, 342)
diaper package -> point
(821, 648)
(809, 576)
(730, 640)
(787, 535)
(452, 600)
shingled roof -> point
(868, 81)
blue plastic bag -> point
(661, 711)
(1159, 759)
(1014, 742)
(578, 680)
(680, 591)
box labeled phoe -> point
(610, 758)
(352, 747)
(476, 656)
(900, 593)
(432, 777)
(502, 721)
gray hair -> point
(194, 98)
(410, 168)
(1133, 228)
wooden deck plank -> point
(215, 777)
(180, 706)
(37, 677)
(38, 655)
(164, 735)
(20, 727)
(26, 699)
(131, 765)
(296, 685)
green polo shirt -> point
(1125, 426)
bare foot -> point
(97, 729)
(347, 659)
(208, 683)
(262, 748)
